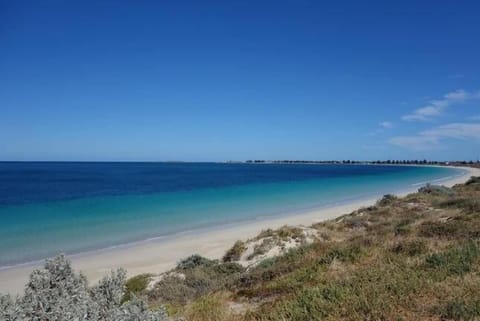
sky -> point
(237, 80)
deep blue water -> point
(46, 208)
(23, 183)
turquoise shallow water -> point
(33, 228)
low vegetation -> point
(56, 292)
(410, 258)
(235, 252)
(136, 285)
(193, 278)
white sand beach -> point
(157, 256)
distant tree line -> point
(348, 161)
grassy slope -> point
(414, 258)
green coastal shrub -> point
(207, 308)
(469, 205)
(455, 261)
(349, 254)
(387, 200)
(473, 180)
(56, 292)
(355, 222)
(136, 285)
(195, 276)
(403, 227)
(436, 190)
(449, 229)
(460, 310)
(287, 232)
(410, 248)
(194, 261)
(173, 290)
(235, 252)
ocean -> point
(51, 207)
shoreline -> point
(162, 253)
(235, 223)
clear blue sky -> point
(235, 80)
